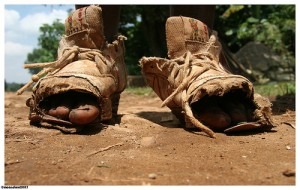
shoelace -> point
(206, 62)
(50, 68)
(68, 55)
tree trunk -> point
(154, 29)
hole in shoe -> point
(222, 112)
(77, 107)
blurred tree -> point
(145, 30)
(5, 85)
(272, 25)
(48, 43)
(12, 87)
(144, 26)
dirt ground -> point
(147, 147)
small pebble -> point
(152, 176)
(289, 173)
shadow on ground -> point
(165, 119)
(281, 104)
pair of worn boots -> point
(83, 86)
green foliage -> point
(131, 27)
(143, 91)
(145, 31)
(12, 87)
(144, 26)
(272, 25)
(275, 88)
(231, 10)
(48, 44)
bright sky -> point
(21, 34)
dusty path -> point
(147, 147)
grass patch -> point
(142, 91)
(275, 88)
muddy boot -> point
(83, 86)
(193, 73)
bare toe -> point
(60, 112)
(215, 118)
(236, 110)
(84, 114)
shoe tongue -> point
(184, 33)
(84, 27)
